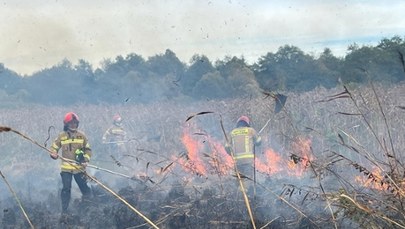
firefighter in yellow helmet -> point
(243, 140)
(75, 148)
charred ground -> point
(331, 158)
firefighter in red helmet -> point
(115, 140)
(115, 137)
(74, 147)
(243, 139)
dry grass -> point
(356, 147)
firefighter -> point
(115, 137)
(243, 140)
(75, 148)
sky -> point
(38, 34)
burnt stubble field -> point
(329, 159)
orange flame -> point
(302, 149)
(220, 160)
(194, 162)
(373, 180)
(272, 163)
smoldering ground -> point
(200, 202)
(317, 168)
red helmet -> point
(117, 119)
(244, 118)
(70, 116)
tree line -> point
(133, 79)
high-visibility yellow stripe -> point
(68, 166)
(72, 141)
(56, 147)
(117, 132)
(244, 156)
(242, 131)
(247, 144)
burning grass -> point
(330, 158)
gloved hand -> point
(84, 164)
(258, 141)
(80, 156)
(54, 156)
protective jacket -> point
(71, 143)
(243, 142)
(114, 134)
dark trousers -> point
(81, 181)
(247, 170)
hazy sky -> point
(36, 34)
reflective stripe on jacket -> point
(243, 140)
(68, 143)
(114, 134)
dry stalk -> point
(286, 201)
(392, 186)
(309, 163)
(18, 200)
(370, 212)
(8, 129)
(268, 223)
(123, 200)
(242, 188)
(389, 156)
(395, 162)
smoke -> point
(40, 35)
(307, 139)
